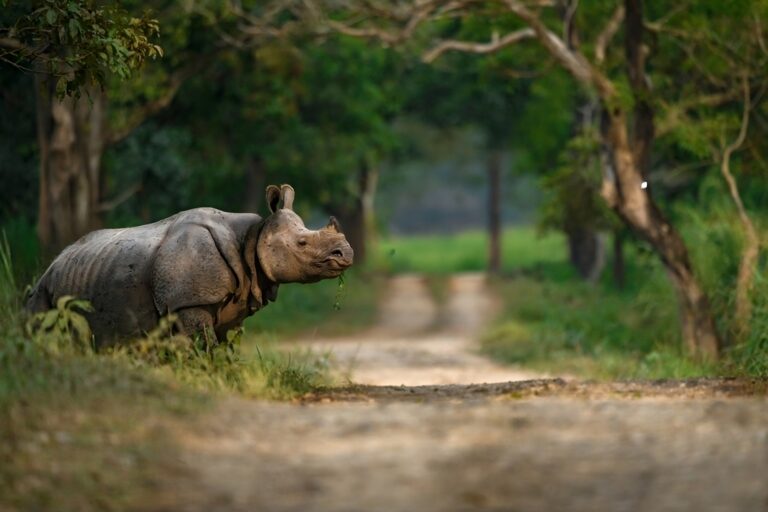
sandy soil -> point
(422, 433)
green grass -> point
(552, 321)
(590, 331)
(522, 248)
(327, 308)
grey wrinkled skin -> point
(212, 269)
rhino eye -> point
(302, 242)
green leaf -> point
(49, 319)
(81, 304)
(51, 16)
(61, 304)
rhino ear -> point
(273, 197)
(287, 194)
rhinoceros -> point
(209, 268)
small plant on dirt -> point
(293, 374)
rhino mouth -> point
(336, 263)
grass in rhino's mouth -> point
(340, 293)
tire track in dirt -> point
(416, 342)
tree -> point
(621, 85)
(84, 55)
(72, 47)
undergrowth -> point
(86, 429)
(565, 326)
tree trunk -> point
(369, 181)
(70, 137)
(586, 249)
(623, 190)
(358, 219)
(255, 183)
(494, 211)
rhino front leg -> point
(192, 321)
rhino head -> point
(288, 252)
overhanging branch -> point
(482, 48)
(607, 34)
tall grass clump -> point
(718, 241)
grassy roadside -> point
(571, 328)
(553, 322)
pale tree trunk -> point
(494, 211)
(748, 264)
(70, 138)
(623, 190)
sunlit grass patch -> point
(522, 248)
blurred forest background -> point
(605, 161)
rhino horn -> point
(333, 225)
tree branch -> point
(482, 48)
(570, 35)
(146, 111)
(752, 245)
(419, 15)
(12, 44)
(676, 114)
(607, 34)
(141, 114)
(572, 60)
(108, 206)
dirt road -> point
(418, 342)
(544, 444)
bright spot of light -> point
(644, 185)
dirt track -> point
(543, 444)
(415, 342)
